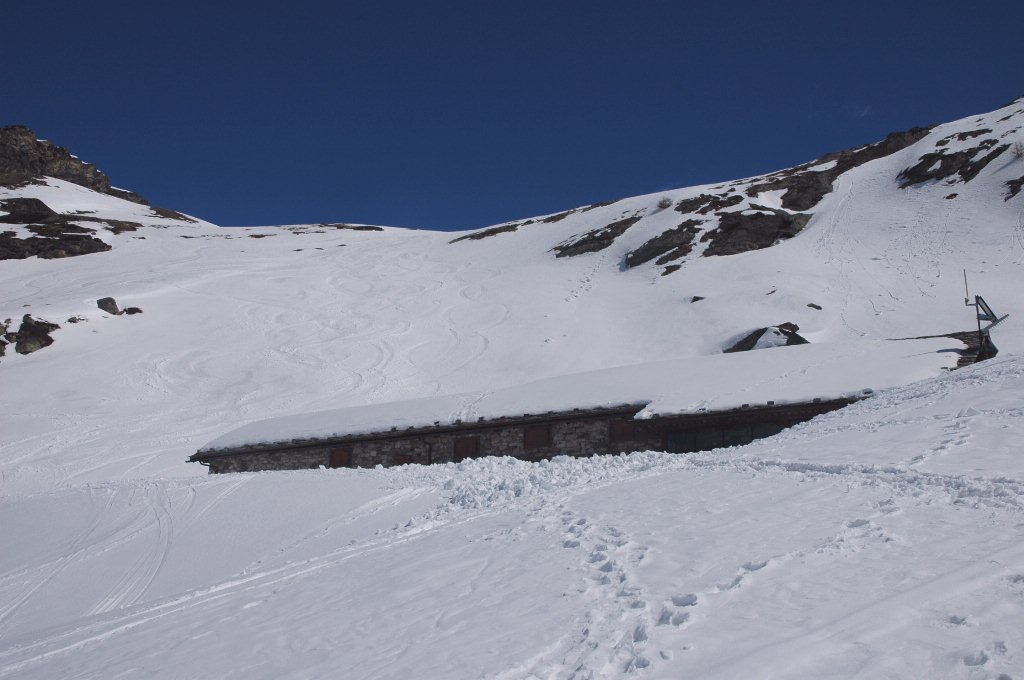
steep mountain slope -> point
(880, 540)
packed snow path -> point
(806, 555)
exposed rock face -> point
(706, 203)
(806, 187)
(595, 239)
(24, 158)
(132, 310)
(773, 336)
(740, 232)
(351, 227)
(1013, 187)
(34, 335)
(667, 246)
(485, 233)
(67, 244)
(26, 211)
(55, 235)
(940, 164)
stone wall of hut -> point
(567, 434)
(576, 437)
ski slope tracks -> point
(881, 540)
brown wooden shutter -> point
(621, 430)
(466, 447)
(341, 457)
(536, 436)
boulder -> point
(108, 305)
(34, 335)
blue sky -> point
(453, 115)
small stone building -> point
(677, 405)
(528, 437)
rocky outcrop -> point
(739, 232)
(941, 164)
(805, 186)
(66, 244)
(667, 246)
(350, 227)
(485, 233)
(26, 211)
(595, 239)
(784, 334)
(707, 203)
(55, 235)
(1013, 187)
(24, 158)
(33, 335)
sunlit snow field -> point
(880, 541)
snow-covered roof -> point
(709, 383)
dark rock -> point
(696, 298)
(108, 305)
(814, 306)
(76, 319)
(170, 214)
(58, 230)
(595, 239)
(706, 203)
(805, 188)
(132, 310)
(34, 335)
(600, 204)
(350, 227)
(951, 196)
(26, 211)
(1014, 187)
(558, 216)
(667, 246)
(261, 235)
(67, 245)
(3, 348)
(671, 268)
(786, 330)
(485, 233)
(964, 136)
(939, 165)
(117, 226)
(61, 236)
(23, 158)
(739, 232)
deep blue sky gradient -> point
(454, 115)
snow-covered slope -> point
(888, 532)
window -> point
(536, 436)
(401, 459)
(466, 447)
